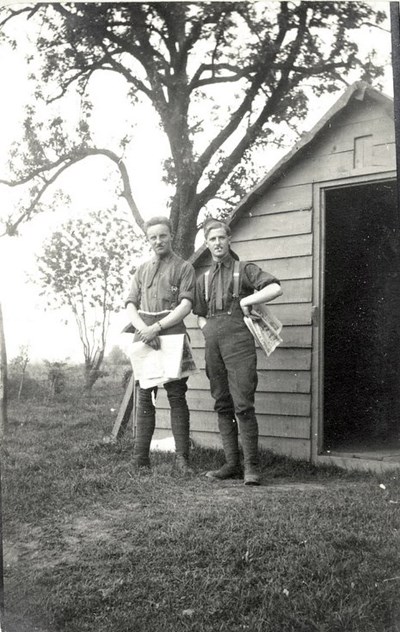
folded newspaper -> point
(172, 361)
(265, 328)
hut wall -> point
(277, 233)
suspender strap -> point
(236, 282)
(236, 279)
(206, 285)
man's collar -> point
(167, 258)
(226, 261)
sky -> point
(52, 335)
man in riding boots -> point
(224, 295)
(161, 296)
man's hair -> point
(211, 223)
(157, 219)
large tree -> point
(220, 76)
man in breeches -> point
(161, 295)
(224, 295)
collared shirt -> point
(252, 278)
(161, 284)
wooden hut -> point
(324, 221)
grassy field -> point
(92, 546)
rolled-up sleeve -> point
(134, 293)
(187, 283)
(257, 278)
(200, 305)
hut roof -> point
(356, 92)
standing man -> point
(161, 295)
(223, 296)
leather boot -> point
(229, 434)
(180, 430)
(145, 424)
(249, 436)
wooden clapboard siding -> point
(384, 155)
(277, 225)
(283, 269)
(268, 380)
(274, 248)
(281, 359)
(289, 446)
(292, 337)
(298, 314)
(274, 403)
(281, 199)
(295, 448)
(333, 154)
(288, 268)
(269, 425)
(296, 291)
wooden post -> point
(395, 34)
(128, 405)
(3, 380)
(3, 427)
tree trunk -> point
(184, 225)
(92, 370)
(3, 379)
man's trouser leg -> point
(229, 434)
(239, 355)
(249, 436)
(176, 392)
(145, 424)
(217, 374)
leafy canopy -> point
(222, 78)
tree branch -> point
(67, 161)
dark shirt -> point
(161, 284)
(252, 278)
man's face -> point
(217, 242)
(160, 239)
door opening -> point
(361, 319)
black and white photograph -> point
(200, 316)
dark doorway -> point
(362, 318)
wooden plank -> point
(294, 223)
(358, 111)
(274, 248)
(275, 403)
(293, 314)
(281, 199)
(281, 359)
(297, 336)
(292, 337)
(269, 425)
(268, 381)
(295, 448)
(320, 168)
(384, 155)
(124, 412)
(288, 268)
(341, 137)
(296, 291)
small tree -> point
(19, 364)
(86, 266)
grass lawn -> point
(92, 546)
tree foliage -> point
(86, 266)
(223, 78)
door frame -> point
(317, 362)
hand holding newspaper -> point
(265, 328)
(172, 361)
